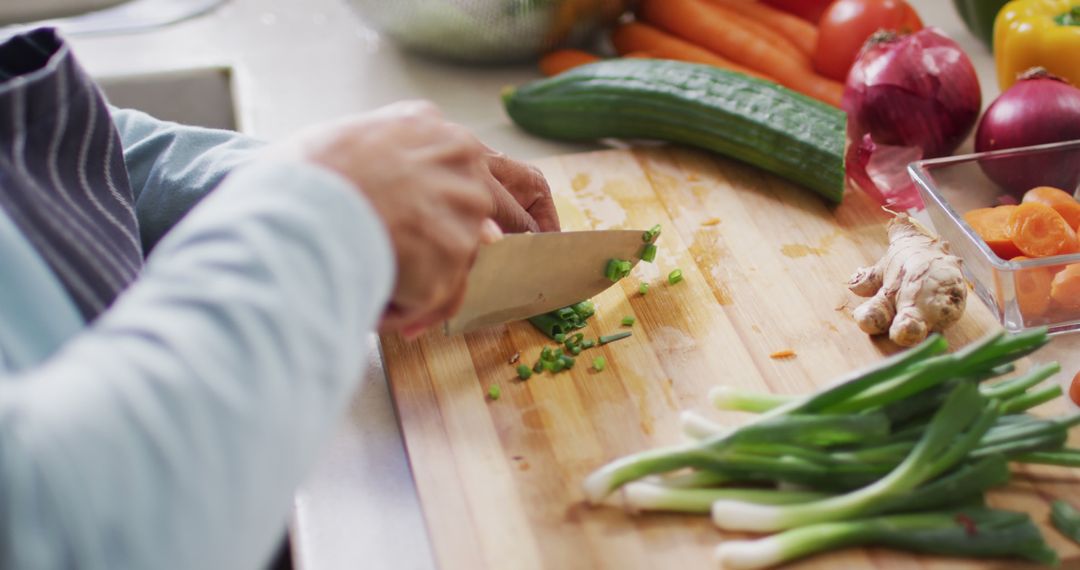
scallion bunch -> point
(899, 455)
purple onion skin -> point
(1033, 111)
(915, 90)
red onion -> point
(907, 97)
(1040, 108)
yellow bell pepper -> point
(1044, 33)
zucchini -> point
(754, 121)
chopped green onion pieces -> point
(558, 365)
(674, 277)
(651, 234)
(628, 321)
(599, 363)
(524, 372)
(494, 392)
(575, 350)
(584, 309)
(588, 343)
(545, 354)
(538, 367)
(559, 337)
(643, 288)
(568, 361)
(614, 337)
(617, 269)
(648, 253)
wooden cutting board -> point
(765, 264)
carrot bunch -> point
(738, 35)
(1044, 224)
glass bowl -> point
(1014, 290)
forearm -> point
(173, 166)
(172, 434)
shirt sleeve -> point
(173, 432)
(173, 166)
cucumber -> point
(754, 121)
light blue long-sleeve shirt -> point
(172, 432)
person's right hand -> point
(426, 179)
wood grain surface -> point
(765, 264)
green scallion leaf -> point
(524, 372)
(628, 321)
(1066, 519)
(674, 277)
(584, 309)
(614, 337)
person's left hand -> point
(522, 197)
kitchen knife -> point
(523, 275)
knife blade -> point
(523, 275)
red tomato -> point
(846, 25)
(809, 10)
(1074, 389)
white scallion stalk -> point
(600, 483)
(749, 554)
(697, 427)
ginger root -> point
(916, 288)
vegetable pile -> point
(560, 325)
(899, 455)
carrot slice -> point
(562, 60)
(1074, 389)
(741, 40)
(1065, 288)
(1059, 200)
(1039, 231)
(991, 224)
(798, 31)
(1033, 289)
(634, 38)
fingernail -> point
(490, 231)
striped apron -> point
(62, 175)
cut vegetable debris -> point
(628, 321)
(494, 392)
(674, 277)
(893, 455)
(617, 269)
(558, 323)
(643, 288)
(524, 372)
(599, 363)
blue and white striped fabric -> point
(62, 175)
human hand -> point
(522, 198)
(429, 182)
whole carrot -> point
(558, 61)
(731, 19)
(799, 32)
(725, 33)
(635, 37)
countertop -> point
(299, 63)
